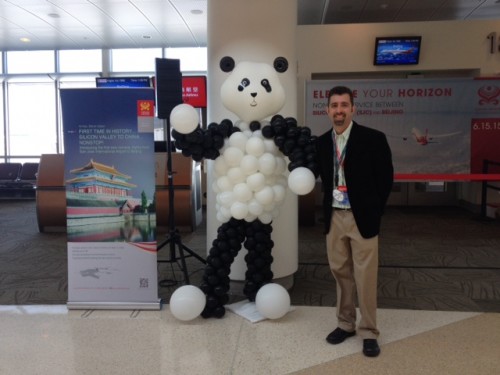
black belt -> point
(342, 209)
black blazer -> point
(368, 173)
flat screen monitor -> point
(403, 50)
(128, 82)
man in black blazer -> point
(355, 166)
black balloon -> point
(229, 239)
(268, 131)
(254, 125)
(295, 142)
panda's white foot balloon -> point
(272, 301)
(184, 118)
(187, 302)
(301, 181)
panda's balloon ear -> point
(280, 64)
(226, 64)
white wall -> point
(446, 46)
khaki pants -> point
(354, 264)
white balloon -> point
(220, 166)
(250, 218)
(236, 175)
(249, 164)
(265, 196)
(242, 125)
(239, 140)
(301, 181)
(255, 208)
(224, 183)
(255, 146)
(266, 217)
(267, 163)
(242, 192)
(272, 301)
(184, 118)
(269, 208)
(239, 210)
(279, 192)
(220, 217)
(225, 198)
(187, 302)
(257, 134)
(225, 212)
(256, 181)
(233, 156)
(270, 146)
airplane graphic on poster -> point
(424, 138)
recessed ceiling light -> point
(196, 11)
(25, 40)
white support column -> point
(259, 31)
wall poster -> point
(437, 127)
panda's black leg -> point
(215, 283)
(259, 258)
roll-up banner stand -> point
(110, 191)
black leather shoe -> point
(371, 348)
(339, 335)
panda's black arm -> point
(204, 143)
(296, 142)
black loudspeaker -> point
(168, 86)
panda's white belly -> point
(250, 178)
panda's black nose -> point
(254, 94)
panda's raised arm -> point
(194, 141)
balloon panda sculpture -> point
(255, 161)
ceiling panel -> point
(459, 9)
(310, 12)
(419, 10)
(343, 11)
(74, 24)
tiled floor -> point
(439, 309)
(49, 339)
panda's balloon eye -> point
(265, 83)
(244, 83)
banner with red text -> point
(110, 186)
(434, 126)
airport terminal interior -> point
(439, 245)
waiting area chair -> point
(18, 180)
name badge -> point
(340, 195)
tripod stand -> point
(173, 238)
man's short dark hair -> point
(341, 90)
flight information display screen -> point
(397, 50)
